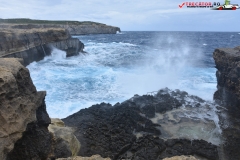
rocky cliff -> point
(32, 43)
(228, 95)
(91, 29)
(228, 78)
(74, 27)
(23, 116)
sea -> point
(115, 67)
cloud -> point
(127, 14)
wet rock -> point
(33, 44)
(227, 62)
(126, 130)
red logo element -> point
(180, 6)
(234, 8)
(220, 8)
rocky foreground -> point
(128, 130)
(166, 124)
(123, 131)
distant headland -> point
(74, 27)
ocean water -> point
(118, 66)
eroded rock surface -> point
(94, 157)
(126, 131)
(181, 158)
(66, 144)
(32, 43)
(23, 116)
(227, 62)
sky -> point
(129, 15)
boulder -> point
(66, 144)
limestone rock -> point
(181, 158)
(22, 112)
(66, 144)
(94, 157)
(33, 43)
(74, 27)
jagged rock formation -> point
(228, 95)
(95, 157)
(66, 144)
(23, 116)
(127, 130)
(33, 43)
(228, 64)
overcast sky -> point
(129, 15)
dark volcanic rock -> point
(227, 62)
(113, 131)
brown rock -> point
(95, 157)
(181, 158)
(18, 99)
(66, 144)
(23, 114)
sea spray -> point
(43, 51)
(119, 66)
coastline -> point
(32, 40)
(123, 131)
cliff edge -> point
(23, 116)
(33, 43)
(227, 62)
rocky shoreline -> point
(33, 44)
(142, 127)
(32, 40)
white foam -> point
(204, 44)
(114, 72)
(58, 54)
